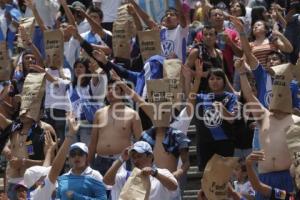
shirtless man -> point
(113, 129)
(274, 171)
(156, 136)
(24, 148)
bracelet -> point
(121, 159)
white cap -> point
(96, 1)
(142, 147)
(33, 174)
(81, 146)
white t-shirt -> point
(157, 190)
(56, 96)
(174, 41)
(83, 27)
(45, 192)
(110, 9)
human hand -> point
(237, 24)
(100, 56)
(125, 153)
(73, 124)
(146, 171)
(240, 65)
(255, 156)
(37, 68)
(199, 68)
(115, 76)
(49, 143)
(24, 36)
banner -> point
(54, 47)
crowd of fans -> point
(96, 123)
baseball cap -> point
(77, 5)
(20, 184)
(96, 1)
(81, 146)
(33, 174)
(142, 147)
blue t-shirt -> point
(211, 126)
(264, 87)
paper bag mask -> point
(137, 187)
(293, 142)
(32, 95)
(54, 47)
(162, 93)
(172, 68)
(149, 43)
(123, 30)
(5, 65)
(282, 97)
(29, 25)
(216, 177)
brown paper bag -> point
(149, 43)
(172, 68)
(32, 95)
(5, 65)
(293, 142)
(296, 71)
(282, 97)
(137, 187)
(123, 30)
(29, 25)
(54, 47)
(216, 177)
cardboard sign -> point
(282, 97)
(29, 25)
(137, 187)
(293, 142)
(5, 65)
(216, 176)
(54, 47)
(32, 95)
(149, 43)
(123, 30)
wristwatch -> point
(154, 172)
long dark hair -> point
(86, 79)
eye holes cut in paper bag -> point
(5, 65)
(54, 47)
(216, 176)
(282, 97)
(32, 95)
(137, 187)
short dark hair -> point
(281, 56)
(209, 26)
(242, 6)
(217, 72)
(93, 9)
(214, 8)
(171, 9)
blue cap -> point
(142, 147)
(81, 146)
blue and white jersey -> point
(264, 87)
(174, 41)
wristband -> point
(154, 172)
(121, 159)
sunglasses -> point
(74, 153)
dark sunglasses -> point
(76, 152)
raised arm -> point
(250, 58)
(30, 4)
(133, 13)
(182, 20)
(144, 16)
(258, 186)
(60, 158)
(94, 138)
(68, 12)
(281, 42)
(28, 42)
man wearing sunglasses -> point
(81, 182)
